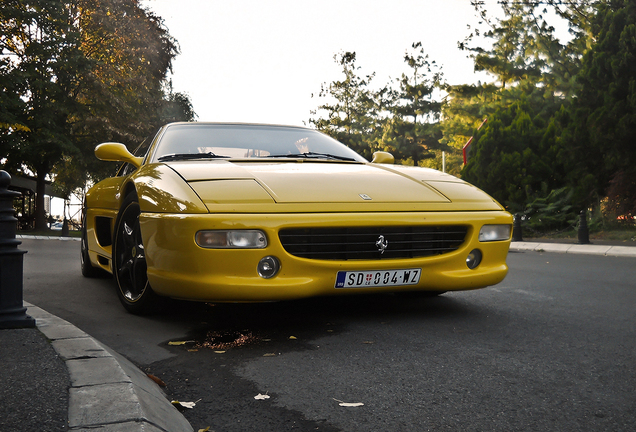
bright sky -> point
(261, 61)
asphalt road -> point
(553, 347)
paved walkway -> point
(105, 391)
(587, 249)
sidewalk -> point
(607, 249)
(56, 377)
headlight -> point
(231, 239)
(489, 233)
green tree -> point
(605, 113)
(41, 64)
(411, 131)
(525, 47)
(352, 108)
(75, 73)
(515, 156)
(527, 150)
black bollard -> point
(584, 233)
(516, 228)
(12, 311)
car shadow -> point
(219, 326)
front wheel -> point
(129, 261)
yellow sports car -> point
(248, 213)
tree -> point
(352, 116)
(528, 150)
(41, 64)
(410, 131)
(525, 46)
(76, 73)
(605, 112)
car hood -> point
(297, 182)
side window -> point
(140, 151)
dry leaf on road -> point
(188, 405)
(348, 404)
(180, 342)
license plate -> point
(378, 278)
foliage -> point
(604, 120)
(561, 111)
(531, 136)
(352, 114)
(75, 73)
(550, 211)
(410, 132)
(41, 63)
(512, 159)
(401, 121)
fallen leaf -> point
(348, 404)
(261, 396)
(269, 355)
(179, 342)
(205, 430)
(368, 342)
(219, 352)
(293, 337)
(158, 380)
(188, 405)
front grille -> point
(366, 243)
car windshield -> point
(212, 141)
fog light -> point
(268, 267)
(473, 259)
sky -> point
(261, 61)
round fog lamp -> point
(268, 267)
(473, 259)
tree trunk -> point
(40, 211)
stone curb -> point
(36, 237)
(108, 393)
(589, 249)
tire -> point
(129, 261)
(88, 270)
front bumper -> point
(178, 268)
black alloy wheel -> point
(129, 260)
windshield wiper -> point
(187, 156)
(313, 155)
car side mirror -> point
(383, 157)
(118, 153)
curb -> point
(108, 393)
(37, 237)
(587, 249)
